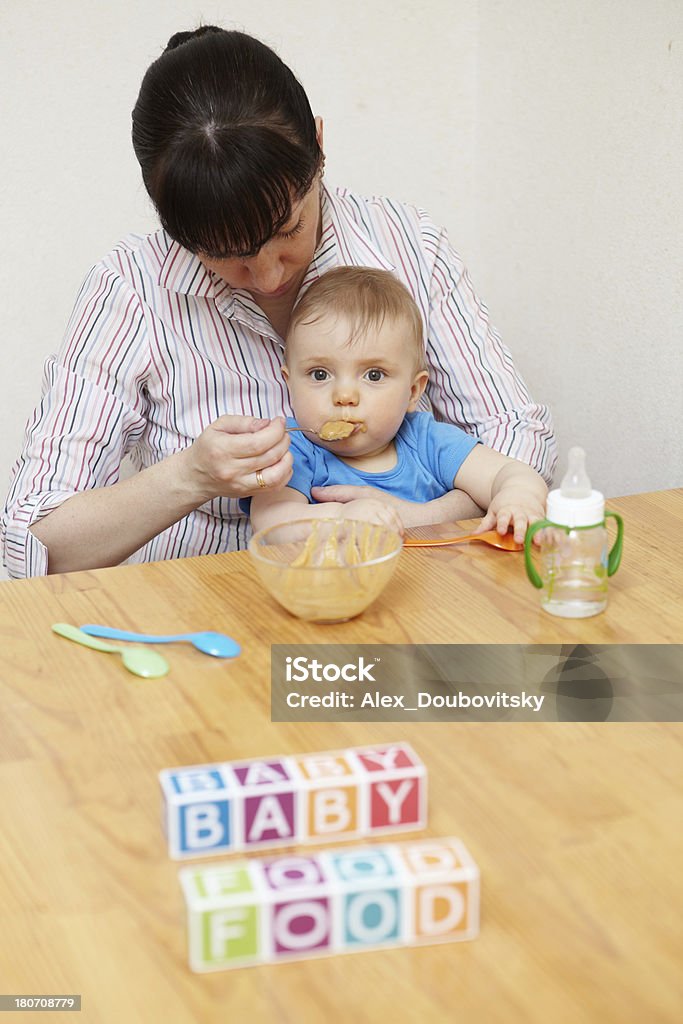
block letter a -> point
(269, 817)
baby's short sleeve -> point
(441, 446)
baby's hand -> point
(372, 511)
(512, 507)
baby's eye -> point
(375, 375)
(318, 374)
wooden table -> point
(576, 827)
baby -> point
(355, 355)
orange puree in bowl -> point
(325, 570)
(352, 543)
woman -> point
(173, 350)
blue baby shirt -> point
(429, 455)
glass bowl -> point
(325, 570)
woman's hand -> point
(237, 456)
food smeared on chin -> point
(337, 430)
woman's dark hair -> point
(226, 140)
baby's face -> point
(373, 380)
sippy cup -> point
(575, 562)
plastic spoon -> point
(218, 645)
(506, 541)
(137, 660)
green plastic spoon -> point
(138, 660)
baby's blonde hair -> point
(367, 297)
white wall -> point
(578, 243)
(546, 135)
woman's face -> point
(279, 267)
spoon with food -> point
(334, 430)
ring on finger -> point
(259, 479)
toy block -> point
(341, 900)
(235, 806)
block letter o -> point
(304, 940)
(356, 908)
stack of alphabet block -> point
(345, 899)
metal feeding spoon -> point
(137, 660)
(333, 430)
(218, 645)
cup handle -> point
(614, 558)
(530, 567)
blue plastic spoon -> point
(218, 645)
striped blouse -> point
(157, 347)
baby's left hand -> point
(514, 507)
(372, 511)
